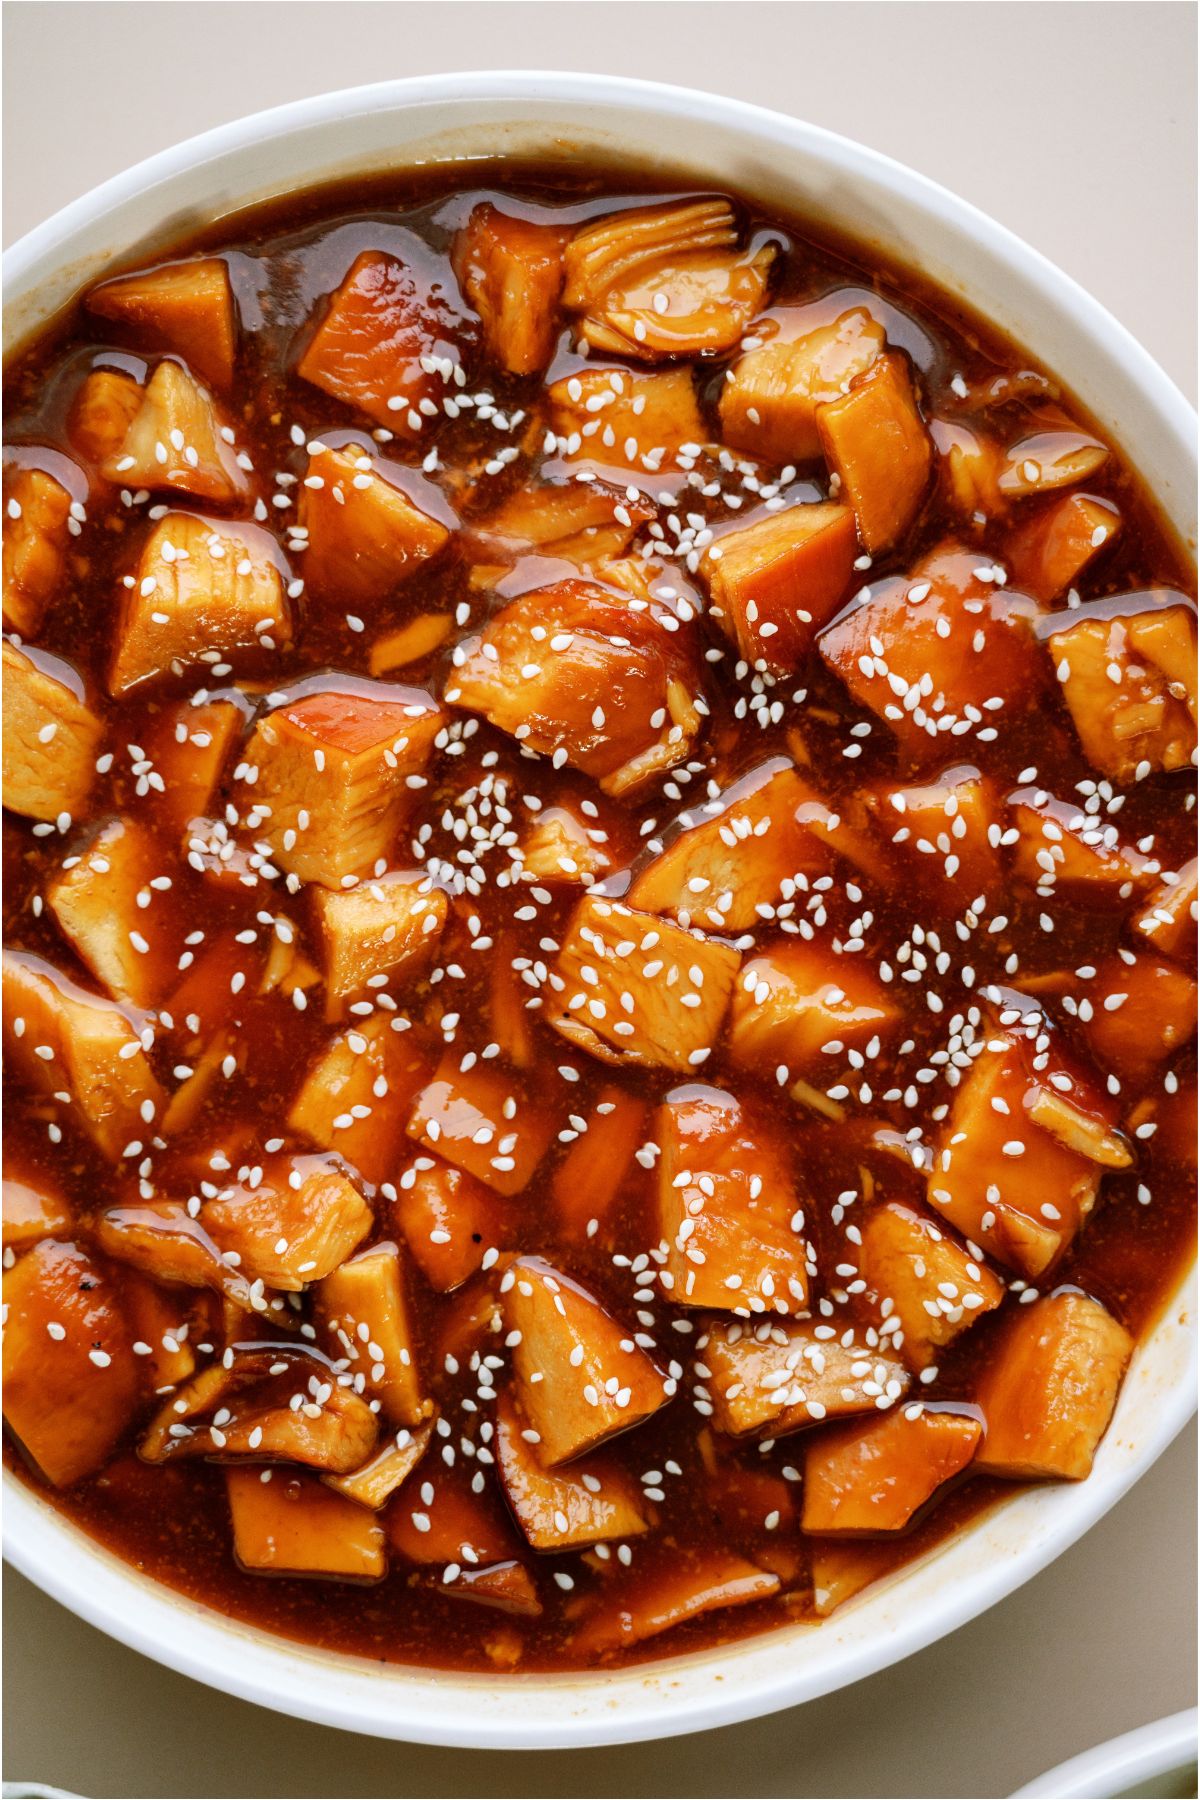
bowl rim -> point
(1147, 1753)
(50, 1551)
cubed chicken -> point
(269, 1405)
(71, 1382)
(81, 1050)
(334, 773)
(937, 1289)
(770, 397)
(295, 1226)
(127, 932)
(377, 933)
(774, 583)
(938, 652)
(511, 271)
(729, 1214)
(947, 833)
(799, 1007)
(969, 470)
(189, 746)
(620, 418)
(1049, 1389)
(580, 1377)
(1055, 456)
(37, 509)
(364, 1310)
(631, 988)
(365, 535)
(660, 281)
(370, 348)
(184, 306)
(688, 1584)
(202, 592)
(601, 1165)
(743, 1490)
(1049, 552)
(34, 1209)
(52, 737)
(1168, 918)
(766, 1380)
(584, 522)
(411, 643)
(1061, 850)
(483, 1121)
(356, 1097)
(1128, 676)
(386, 1470)
(449, 1221)
(579, 674)
(288, 1523)
(559, 846)
(102, 411)
(875, 441)
(843, 1567)
(876, 1475)
(160, 1323)
(1143, 1010)
(592, 1501)
(511, 1004)
(179, 440)
(470, 1539)
(163, 1240)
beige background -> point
(1075, 125)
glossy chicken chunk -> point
(1055, 456)
(1061, 850)
(947, 832)
(33, 1209)
(1052, 550)
(334, 773)
(579, 675)
(269, 1405)
(775, 582)
(202, 591)
(377, 933)
(601, 1164)
(874, 1476)
(164, 1240)
(178, 440)
(580, 1377)
(770, 398)
(386, 1470)
(937, 1289)
(590, 1501)
(1168, 918)
(798, 1007)
(768, 1379)
(875, 441)
(660, 281)
(288, 1523)
(371, 347)
(511, 271)
(584, 522)
(969, 463)
(1143, 1009)
(466, 1536)
(632, 988)
(356, 1096)
(52, 737)
(186, 307)
(190, 745)
(623, 418)
(364, 1311)
(1128, 677)
(483, 1122)
(728, 1210)
(1049, 1391)
(686, 1586)
(449, 1220)
(365, 535)
(295, 1226)
(843, 1567)
(102, 411)
(411, 643)
(83, 1052)
(37, 510)
(71, 1382)
(559, 846)
(106, 906)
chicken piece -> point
(509, 1003)
(71, 1382)
(687, 1585)
(1049, 1388)
(843, 1567)
(1050, 551)
(580, 1377)
(369, 348)
(296, 1226)
(365, 536)
(449, 1221)
(412, 643)
(364, 1311)
(593, 1501)
(728, 1212)
(276, 1404)
(767, 1380)
(849, 832)
(1168, 918)
(189, 746)
(512, 273)
(1142, 1011)
(970, 463)
(775, 582)
(875, 1475)
(660, 281)
(800, 1007)
(1055, 457)
(335, 774)
(1174, 1115)
(1129, 680)
(184, 306)
(600, 1165)
(52, 737)
(160, 1324)
(177, 440)
(482, 1121)
(102, 411)
(377, 931)
(37, 510)
(947, 832)
(288, 1523)
(560, 847)
(939, 651)
(577, 673)
(387, 1470)
(622, 418)
(128, 934)
(1061, 850)
(584, 522)
(742, 1491)
(163, 1240)
(630, 988)
(469, 1537)
(33, 1209)
(875, 441)
(81, 1050)
(727, 862)
(936, 1288)
(770, 397)
(202, 592)
(356, 1097)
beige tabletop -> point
(1073, 124)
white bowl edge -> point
(1134, 1760)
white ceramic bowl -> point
(1155, 1762)
(720, 142)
